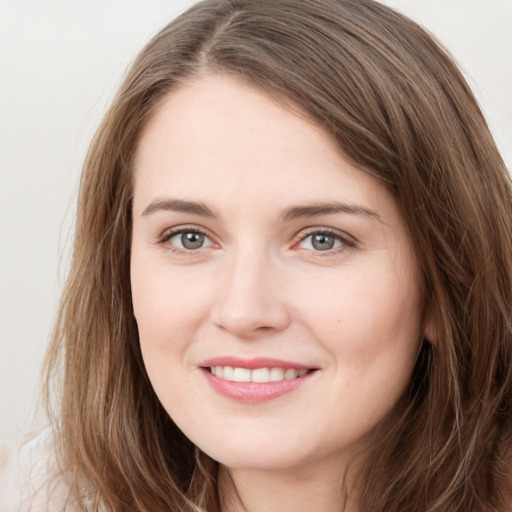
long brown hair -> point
(398, 107)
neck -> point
(304, 489)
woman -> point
(291, 281)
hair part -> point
(397, 107)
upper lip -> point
(253, 363)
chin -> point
(240, 452)
(283, 453)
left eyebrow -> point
(178, 205)
(316, 209)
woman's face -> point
(273, 283)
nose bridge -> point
(250, 299)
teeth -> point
(260, 375)
(228, 373)
(256, 375)
(276, 374)
(241, 375)
(290, 374)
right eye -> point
(186, 240)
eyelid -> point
(177, 230)
(347, 240)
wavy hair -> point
(397, 106)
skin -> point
(259, 287)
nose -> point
(251, 302)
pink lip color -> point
(252, 392)
(251, 364)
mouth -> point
(262, 375)
(255, 380)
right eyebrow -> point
(317, 209)
(179, 205)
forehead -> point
(223, 140)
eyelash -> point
(346, 241)
(162, 241)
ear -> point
(428, 330)
(130, 312)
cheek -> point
(171, 305)
(371, 327)
(166, 302)
(364, 315)
(169, 309)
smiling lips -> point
(256, 380)
(256, 375)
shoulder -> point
(29, 480)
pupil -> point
(323, 242)
(192, 240)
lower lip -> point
(254, 392)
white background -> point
(60, 64)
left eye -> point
(189, 240)
(321, 242)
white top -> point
(25, 480)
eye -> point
(324, 240)
(186, 239)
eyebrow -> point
(316, 209)
(292, 213)
(179, 205)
